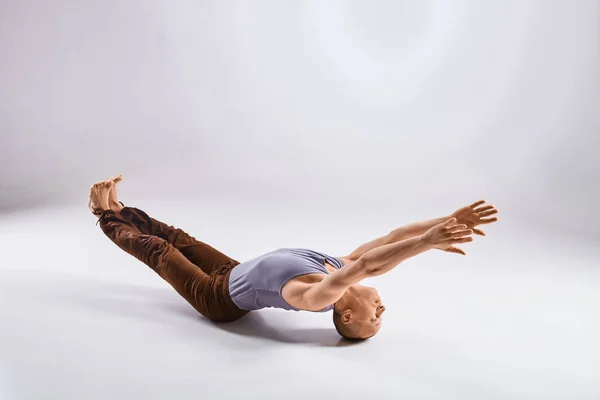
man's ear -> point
(347, 316)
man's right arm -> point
(374, 262)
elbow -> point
(366, 266)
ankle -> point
(116, 206)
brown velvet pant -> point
(198, 272)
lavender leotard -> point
(257, 283)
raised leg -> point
(168, 262)
(206, 292)
(199, 253)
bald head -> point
(357, 314)
(352, 329)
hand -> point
(474, 215)
(445, 235)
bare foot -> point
(113, 198)
(98, 201)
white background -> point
(265, 124)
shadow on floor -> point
(255, 325)
(163, 304)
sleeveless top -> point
(257, 283)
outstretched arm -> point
(471, 216)
(383, 259)
(443, 236)
(397, 235)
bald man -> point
(224, 290)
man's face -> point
(367, 310)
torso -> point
(279, 278)
(292, 290)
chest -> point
(292, 292)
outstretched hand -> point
(446, 235)
(474, 215)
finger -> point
(487, 213)
(456, 227)
(461, 240)
(451, 241)
(480, 209)
(459, 234)
(477, 203)
(488, 220)
(464, 239)
(450, 222)
(117, 179)
(455, 250)
(479, 232)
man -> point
(223, 290)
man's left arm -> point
(472, 216)
(397, 235)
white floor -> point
(518, 318)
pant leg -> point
(207, 293)
(201, 254)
